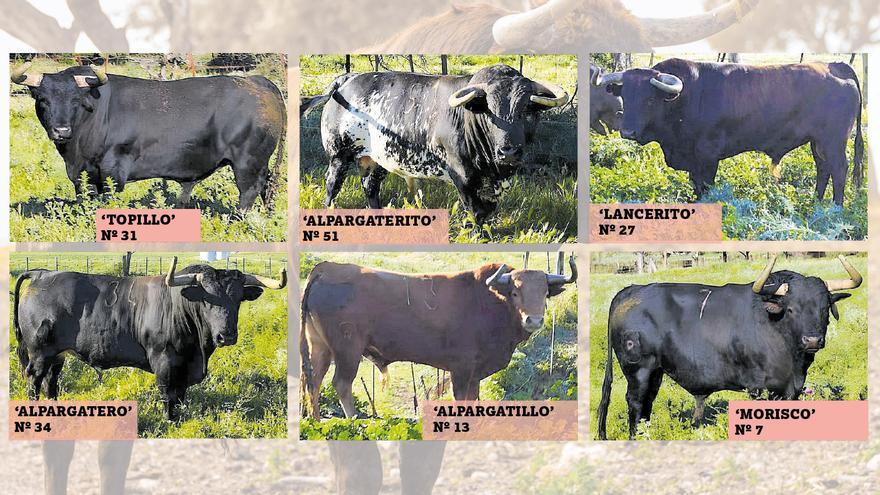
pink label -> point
(798, 420)
(655, 222)
(374, 226)
(73, 420)
(499, 420)
(148, 226)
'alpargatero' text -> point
(377, 220)
(493, 411)
(108, 411)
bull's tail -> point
(308, 103)
(606, 384)
(306, 379)
(21, 350)
(845, 71)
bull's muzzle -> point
(509, 154)
(60, 134)
(532, 322)
(627, 134)
(221, 340)
(812, 345)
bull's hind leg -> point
(36, 372)
(251, 179)
(699, 408)
(320, 358)
(52, 377)
(186, 189)
(372, 182)
(334, 178)
(343, 378)
(653, 389)
(637, 391)
(823, 173)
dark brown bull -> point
(467, 323)
(555, 26)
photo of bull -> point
(743, 337)
(606, 109)
(130, 129)
(166, 325)
(703, 112)
(469, 131)
(467, 323)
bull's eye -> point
(515, 293)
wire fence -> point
(162, 66)
(140, 265)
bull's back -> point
(84, 314)
(398, 120)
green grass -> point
(245, 393)
(44, 206)
(838, 373)
(540, 206)
(528, 376)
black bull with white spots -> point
(702, 112)
(166, 325)
(467, 323)
(753, 337)
(466, 130)
(129, 129)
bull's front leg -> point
(171, 380)
(92, 183)
(481, 206)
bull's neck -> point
(478, 141)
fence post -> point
(243, 265)
(146, 266)
(444, 64)
(56, 263)
(347, 64)
(27, 263)
(88, 265)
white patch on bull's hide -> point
(368, 132)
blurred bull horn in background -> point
(521, 29)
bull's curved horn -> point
(668, 83)
(465, 95)
(668, 32)
(762, 278)
(520, 29)
(100, 73)
(99, 79)
(612, 78)
(268, 283)
(20, 76)
(500, 277)
(172, 280)
(559, 98)
(562, 279)
(854, 280)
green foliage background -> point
(245, 393)
(44, 206)
(540, 206)
(838, 373)
(527, 377)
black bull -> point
(167, 325)
(754, 337)
(128, 129)
(466, 130)
(702, 112)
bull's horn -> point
(172, 280)
(560, 96)
(667, 83)
(269, 283)
(562, 279)
(500, 277)
(20, 76)
(465, 95)
(668, 32)
(762, 279)
(855, 278)
(99, 79)
(612, 78)
(520, 29)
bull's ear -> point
(834, 298)
(195, 293)
(555, 290)
(251, 293)
(773, 308)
